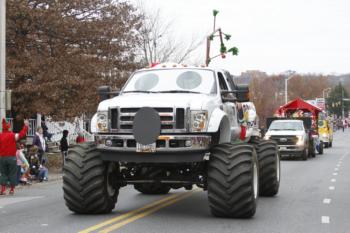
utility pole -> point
(2, 59)
(342, 103)
(290, 74)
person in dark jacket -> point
(8, 160)
(64, 145)
(46, 133)
(40, 142)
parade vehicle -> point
(291, 136)
(325, 130)
(295, 129)
(171, 127)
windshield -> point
(172, 81)
(280, 125)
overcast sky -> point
(308, 36)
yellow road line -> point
(130, 213)
(147, 212)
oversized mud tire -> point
(89, 184)
(269, 168)
(233, 180)
(151, 188)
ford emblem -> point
(283, 140)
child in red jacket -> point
(8, 161)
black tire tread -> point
(268, 183)
(230, 186)
(83, 181)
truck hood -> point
(284, 133)
(182, 100)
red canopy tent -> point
(298, 104)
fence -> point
(31, 128)
(56, 129)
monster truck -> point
(171, 127)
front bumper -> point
(324, 138)
(169, 148)
(291, 149)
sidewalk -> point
(53, 176)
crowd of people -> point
(22, 164)
(341, 124)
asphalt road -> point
(314, 197)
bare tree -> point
(158, 42)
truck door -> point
(229, 107)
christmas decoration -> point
(222, 36)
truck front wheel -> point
(269, 168)
(89, 184)
(233, 180)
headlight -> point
(324, 135)
(102, 121)
(300, 140)
(199, 121)
(267, 137)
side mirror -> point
(242, 93)
(228, 96)
(228, 99)
(105, 92)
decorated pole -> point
(222, 36)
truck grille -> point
(285, 140)
(121, 119)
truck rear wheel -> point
(304, 155)
(151, 188)
(312, 150)
(269, 168)
(89, 184)
(233, 180)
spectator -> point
(37, 171)
(64, 145)
(8, 165)
(22, 163)
(45, 129)
(40, 142)
(80, 138)
(34, 163)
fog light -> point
(108, 142)
(188, 143)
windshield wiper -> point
(139, 91)
(179, 91)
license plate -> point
(283, 148)
(146, 148)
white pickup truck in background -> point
(291, 136)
